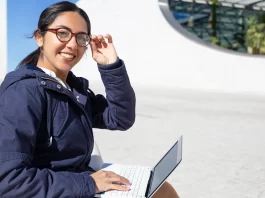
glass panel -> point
(237, 25)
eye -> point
(83, 38)
(62, 33)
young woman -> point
(47, 113)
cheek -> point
(81, 52)
(53, 45)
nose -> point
(72, 43)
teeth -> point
(66, 55)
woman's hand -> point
(103, 51)
(107, 180)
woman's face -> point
(59, 56)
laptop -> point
(145, 180)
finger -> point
(103, 42)
(93, 47)
(93, 36)
(109, 38)
(118, 187)
(100, 38)
(95, 39)
(114, 178)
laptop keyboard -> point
(138, 176)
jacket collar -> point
(79, 85)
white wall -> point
(3, 39)
(158, 55)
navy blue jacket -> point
(46, 136)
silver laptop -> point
(145, 180)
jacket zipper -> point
(90, 124)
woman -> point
(47, 113)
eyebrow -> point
(63, 26)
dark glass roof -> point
(243, 4)
(227, 25)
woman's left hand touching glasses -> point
(103, 50)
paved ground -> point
(224, 141)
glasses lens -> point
(64, 35)
(82, 39)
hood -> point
(22, 72)
(31, 71)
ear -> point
(39, 38)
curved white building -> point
(223, 133)
(158, 55)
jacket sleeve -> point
(117, 110)
(21, 111)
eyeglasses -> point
(65, 35)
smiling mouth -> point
(67, 56)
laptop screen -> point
(166, 166)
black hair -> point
(46, 18)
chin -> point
(65, 65)
(64, 68)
